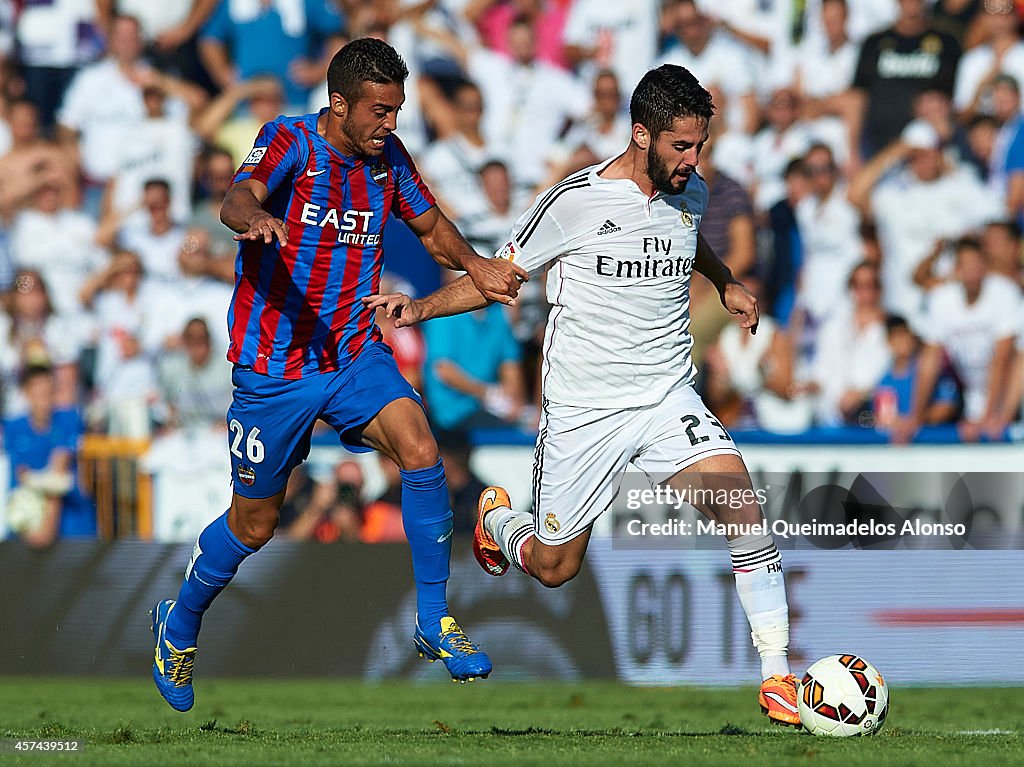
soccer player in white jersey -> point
(621, 240)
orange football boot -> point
(778, 700)
(485, 549)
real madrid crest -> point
(686, 216)
(932, 44)
(551, 524)
(379, 173)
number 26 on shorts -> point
(254, 449)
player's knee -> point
(558, 573)
(418, 454)
(256, 524)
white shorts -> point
(582, 454)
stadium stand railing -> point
(110, 473)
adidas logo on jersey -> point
(608, 227)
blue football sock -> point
(427, 518)
(215, 560)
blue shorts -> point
(270, 420)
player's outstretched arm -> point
(242, 211)
(497, 279)
(458, 296)
(734, 296)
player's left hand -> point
(404, 310)
(738, 300)
(496, 278)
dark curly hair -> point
(667, 93)
(364, 60)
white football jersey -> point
(619, 287)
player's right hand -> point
(263, 226)
(404, 310)
(497, 279)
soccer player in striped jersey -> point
(309, 205)
(620, 241)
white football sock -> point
(757, 565)
(510, 530)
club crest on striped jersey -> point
(379, 174)
(686, 216)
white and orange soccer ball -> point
(843, 695)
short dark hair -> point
(795, 167)
(199, 322)
(492, 164)
(820, 146)
(33, 371)
(1008, 225)
(1008, 80)
(969, 242)
(160, 183)
(216, 150)
(665, 94)
(895, 322)
(871, 266)
(364, 60)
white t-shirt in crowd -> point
(769, 19)
(864, 17)
(119, 375)
(190, 297)
(451, 167)
(725, 63)
(62, 340)
(733, 154)
(822, 72)
(526, 108)
(159, 252)
(619, 286)
(630, 28)
(161, 148)
(969, 332)
(588, 133)
(911, 215)
(155, 18)
(62, 248)
(830, 237)
(847, 358)
(974, 67)
(746, 358)
(50, 34)
(104, 106)
(772, 151)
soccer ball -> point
(842, 695)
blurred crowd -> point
(865, 167)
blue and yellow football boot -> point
(172, 668)
(463, 659)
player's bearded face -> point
(672, 155)
(373, 117)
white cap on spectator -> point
(920, 135)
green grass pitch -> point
(321, 722)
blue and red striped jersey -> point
(297, 309)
